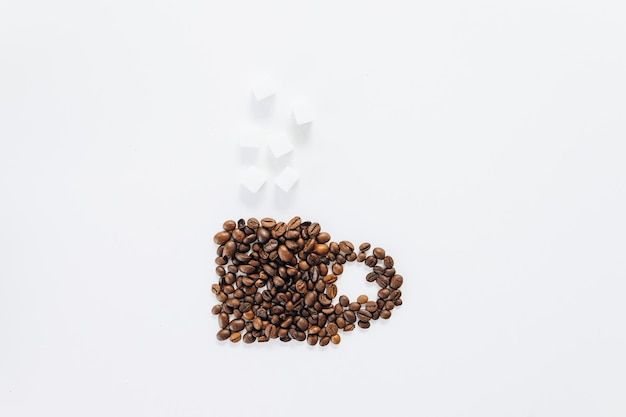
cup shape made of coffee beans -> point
(277, 280)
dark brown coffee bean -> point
(310, 298)
(253, 223)
(285, 254)
(248, 338)
(344, 301)
(237, 325)
(221, 237)
(371, 261)
(312, 339)
(217, 309)
(361, 257)
(364, 247)
(223, 334)
(337, 269)
(331, 290)
(351, 257)
(396, 282)
(268, 222)
(364, 315)
(323, 237)
(346, 247)
(349, 327)
(314, 229)
(324, 340)
(223, 320)
(238, 235)
(382, 281)
(350, 316)
(379, 253)
(388, 261)
(364, 324)
(332, 329)
(279, 230)
(229, 225)
(371, 306)
(323, 299)
(385, 314)
(341, 322)
(333, 248)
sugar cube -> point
(252, 178)
(286, 179)
(303, 113)
(279, 144)
(263, 89)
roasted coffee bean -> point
(371, 261)
(284, 254)
(217, 309)
(396, 282)
(330, 278)
(323, 237)
(249, 338)
(310, 298)
(344, 301)
(337, 269)
(268, 222)
(332, 329)
(279, 230)
(312, 339)
(382, 281)
(346, 247)
(221, 237)
(324, 340)
(223, 320)
(294, 223)
(364, 324)
(313, 229)
(349, 327)
(361, 257)
(335, 339)
(364, 247)
(235, 337)
(385, 314)
(223, 334)
(362, 299)
(388, 261)
(364, 315)
(371, 306)
(321, 249)
(355, 306)
(379, 253)
(253, 223)
(331, 290)
(229, 225)
(237, 325)
(350, 316)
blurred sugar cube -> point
(252, 178)
(303, 113)
(286, 179)
(279, 144)
(263, 88)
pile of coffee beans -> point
(277, 281)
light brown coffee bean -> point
(362, 299)
(396, 282)
(337, 269)
(235, 337)
(221, 237)
(268, 222)
(294, 223)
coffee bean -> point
(337, 269)
(253, 223)
(294, 223)
(361, 257)
(284, 254)
(371, 261)
(346, 247)
(235, 337)
(249, 338)
(323, 237)
(310, 298)
(350, 316)
(217, 309)
(268, 222)
(364, 315)
(279, 230)
(362, 299)
(331, 290)
(229, 225)
(388, 261)
(344, 301)
(355, 306)
(314, 229)
(385, 314)
(321, 249)
(379, 253)
(330, 278)
(335, 339)
(349, 327)
(223, 334)
(332, 328)
(221, 237)
(396, 282)
(324, 340)
(364, 247)
(312, 339)
(237, 325)
(364, 324)
(371, 306)
(223, 320)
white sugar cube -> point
(263, 89)
(251, 138)
(303, 113)
(253, 179)
(286, 179)
(279, 144)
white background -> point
(481, 143)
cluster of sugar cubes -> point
(279, 143)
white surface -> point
(286, 179)
(481, 144)
(251, 137)
(279, 144)
(252, 178)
